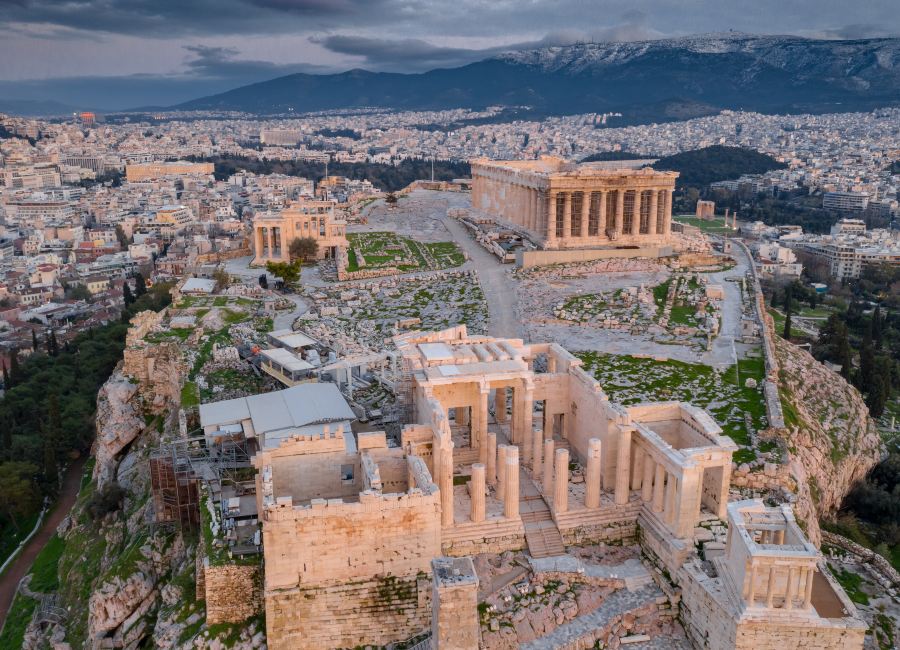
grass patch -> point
(851, 583)
(190, 397)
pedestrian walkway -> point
(541, 533)
(632, 572)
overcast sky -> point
(117, 53)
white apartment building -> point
(845, 201)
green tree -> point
(34, 341)
(140, 285)
(19, 495)
(391, 199)
(787, 326)
(304, 249)
(7, 384)
(865, 377)
(877, 328)
(287, 271)
(122, 237)
(127, 296)
(220, 275)
(15, 370)
(880, 387)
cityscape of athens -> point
(405, 325)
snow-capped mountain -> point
(646, 80)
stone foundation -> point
(527, 259)
(232, 593)
(366, 612)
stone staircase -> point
(541, 533)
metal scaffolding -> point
(177, 467)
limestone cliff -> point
(832, 441)
(119, 421)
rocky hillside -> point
(646, 81)
(831, 440)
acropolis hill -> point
(565, 425)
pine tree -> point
(50, 469)
(7, 382)
(877, 327)
(787, 326)
(34, 341)
(127, 295)
(844, 354)
(866, 376)
(15, 370)
(140, 285)
(54, 344)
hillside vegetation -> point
(717, 163)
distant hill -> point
(645, 81)
(717, 163)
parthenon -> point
(564, 205)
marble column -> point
(446, 484)
(270, 243)
(636, 216)
(668, 213)
(654, 206)
(687, 502)
(492, 458)
(770, 587)
(637, 470)
(601, 216)
(671, 487)
(623, 466)
(480, 423)
(647, 481)
(537, 448)
(808, 586)
(567, 216)
(791, 588)
(751, 590)
(658, 485)
(477, 489)
(547, 483)
(561, 481)
(500, 405)
(511, 495)
(258, 242)
(585, 212)
(592, 475)
(620, 211)
(461, 416)
(501, 470)
(551, 219)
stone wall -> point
(887, 573)
(772, 635)
(349, 614)
(527, 259)
(233, 593)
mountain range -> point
(646, 81)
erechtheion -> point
(273, 232)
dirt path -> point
(20, 567)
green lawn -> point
(381, 249)
(715, 226)
(630, 380)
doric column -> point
(477, 488)
(585, 212)
(270, 242)
(592, 475)
(501, 470)
(561, 481)
(446, 485)
(620, 210)
(492, 458)
(623, 462)
(480, 423)
(654, 207)
(601, 215)
(668, 213)
(658, 486)
(647, 480)
(547, 483)
(551, 219)
(523, 413)
(637, 471)
(537, 449)
(671, 486)
(791, 588)
(770, 587)
(567, 216)
(779, 537)
(687, 502)
(511, 496)
(636, 215)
